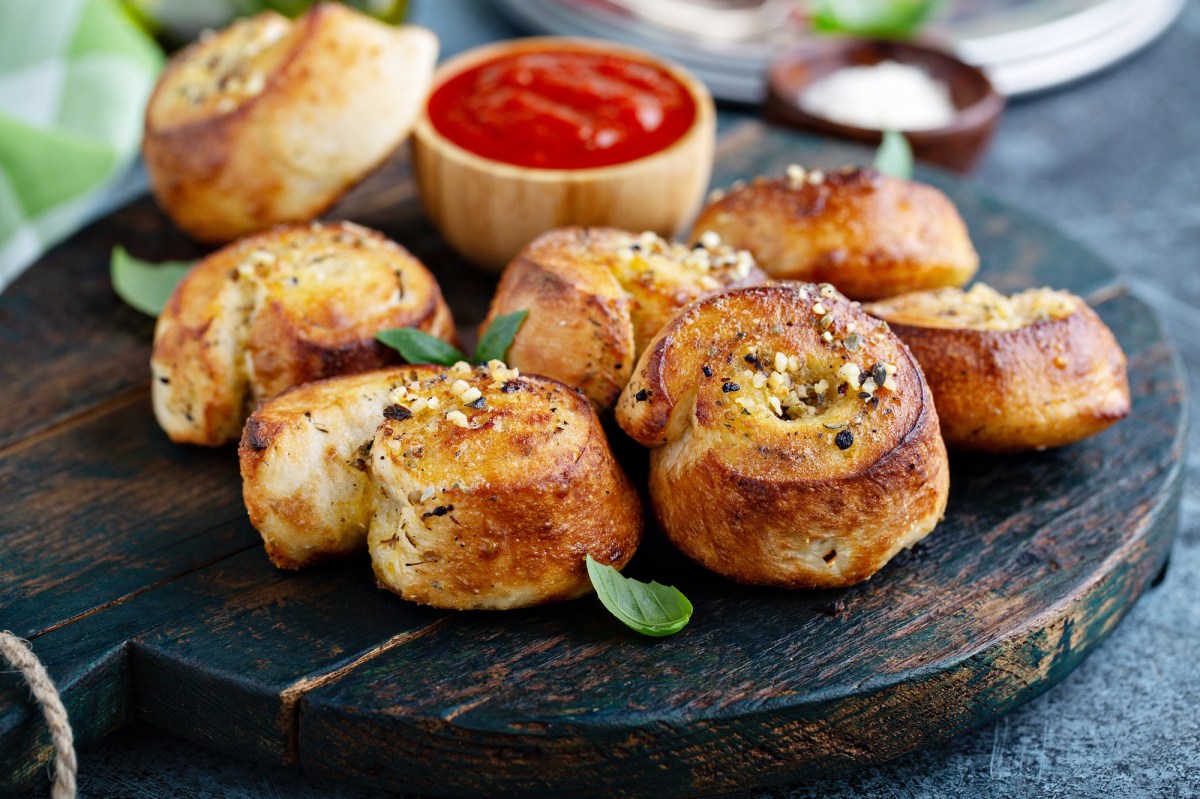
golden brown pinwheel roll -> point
(795, 442)
(294, 304)
(596, 296)
(480, 487)
(1033, 370)
(271, 120)
(869, 235)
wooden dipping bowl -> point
(957, 146)
(488, 210)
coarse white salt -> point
(886, 96)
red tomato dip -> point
(562, 109)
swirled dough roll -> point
(271, 120)
(297, 303)
(870, 235)
(1033, 370)
(475, 487)
(596, 296)
(795, 442)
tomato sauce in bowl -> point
(562, 109)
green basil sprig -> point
(880, 19)
(418, 347)
(144, 285)
(894, 156)
(650, 608)
(498, 337)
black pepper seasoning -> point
(397, 412)
(879, 374)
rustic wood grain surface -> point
(185, 606)
(133, 569)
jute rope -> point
(19, 653)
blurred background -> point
(75, 74)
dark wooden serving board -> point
(130, 565)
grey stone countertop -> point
(1115, 162)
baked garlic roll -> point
(870, 235)
(1034, 370)
(271, 120)
(305, 460)
(474, 487)
(596, 296)
(795, 442)
(294, 304)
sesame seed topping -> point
(795, 176)
(849, 373)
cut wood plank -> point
(108, 508)
(131, 565)
(1038, 558)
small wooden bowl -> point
(958, 146)
(488, 210)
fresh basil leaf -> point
(143, 285)
(894, 156)
(884, 19)
(418, 347)
(650, 608)
(498, 337)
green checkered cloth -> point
(74, 79)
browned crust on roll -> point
(304, 459)
(519, 537)
(578, 329)
(272, 156)
(870, 235)
(1046, 384)
(294, 304)
(494, 510)
(769, 500)
(590, 312)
